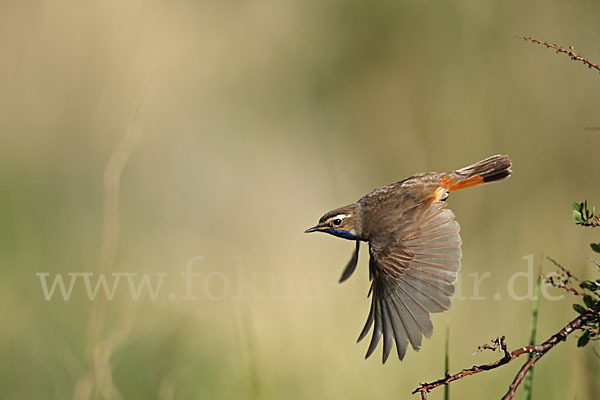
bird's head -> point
(344, 222)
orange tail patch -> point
(451, 184)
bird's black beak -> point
(315, 228)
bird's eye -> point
(337, 221)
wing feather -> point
(413, 267)
(369, 322)
(402, 328)
(388, 334)
(412, 326)
(377, 332)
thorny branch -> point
(594, 222)
(509, 356)
(559, 49)
(562, 279)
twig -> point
(563, 283)
(539, 351)
(563, 269)
(595, 222)
(594, 262)
(559, 49)
(496, 344)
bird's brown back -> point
(396, 198)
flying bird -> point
(414, 249)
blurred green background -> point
(253, 119)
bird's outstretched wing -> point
(413, 267)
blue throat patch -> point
(341, 233)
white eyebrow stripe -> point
(340, 216)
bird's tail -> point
(494, 168)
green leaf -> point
(579, 308)
(589, 285)
(575, 206)
(583, 339)
(589, 302)
(595, 247)
(577, 216)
